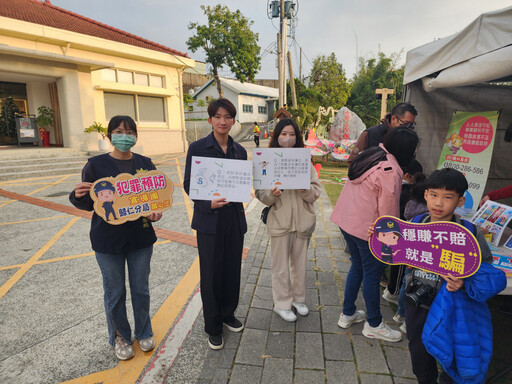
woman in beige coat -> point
(290, 224)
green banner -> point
(468, 148)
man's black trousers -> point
(220, 261)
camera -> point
(421, 289)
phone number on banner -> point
(463, 168)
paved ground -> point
(53, 324)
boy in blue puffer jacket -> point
(454, 328)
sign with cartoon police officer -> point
(441, 247)
(128, 197)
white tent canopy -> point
(481, 52)
(468, 71)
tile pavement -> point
(313, 349)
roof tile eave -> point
(30, 11)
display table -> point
(502, 259)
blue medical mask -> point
(123, 142)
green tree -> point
(305, 95)
(328, 79)
(187, 101)
(380, 72)
(227, 39)
(305, 115)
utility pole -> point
(292, 81)
(284, 9)
(300, 66)
(279, 69)
(282, 75)
(383, 94)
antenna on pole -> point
(285, 10)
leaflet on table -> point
(468, 148)
(440, 247)
(493, 217)
(128, 197)
(212, 178)
(285, 168)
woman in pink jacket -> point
(373, 190)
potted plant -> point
(8, 113)
(44, 120)
(97, 127)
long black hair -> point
(274, 143)
(402, 143)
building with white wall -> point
(88, 71)
(253, 102)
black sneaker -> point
(215, 342)
(233, 324)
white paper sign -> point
(286, 168)
(212, 178)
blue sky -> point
(322, 26)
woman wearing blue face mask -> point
(116, 246)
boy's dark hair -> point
(413, 168)
(449, 179)
(116, 122)
(402, 144)
(401, 108)
(274, 143)
(214, 106)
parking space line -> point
(36, 178)
(39, 189)
(27, 265)
(33, 220)
(128, 372)
(65, 258)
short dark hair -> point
(402, 143)
(449, 179)
(274, 143)
(116, 122)
(413, 168)
(401, 108)
(214, 106)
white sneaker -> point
(301, 308)
(286, 314)
(402, 328)
(386, 295)
(124, 350)
(381, 332)
(399, 318)
(346, 321)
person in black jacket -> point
(116, 246)
(220, 227)
(403, 115)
